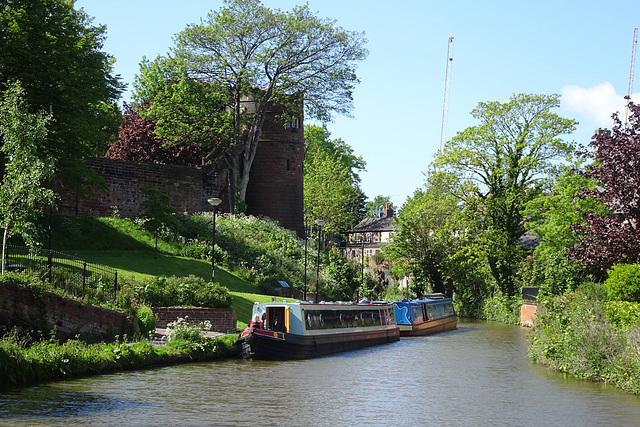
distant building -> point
(370, 235)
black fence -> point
(75, 275)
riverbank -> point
(25, 363)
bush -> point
(623, 283)
(182, 330)
(623, 314)
(552, 273)
(146, 320)
(572, 334)
(190, 291)
(502, 308)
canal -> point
(477, 375)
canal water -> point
(477, 375)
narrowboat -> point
(301, 330)
(426, 316)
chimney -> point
(388, 212)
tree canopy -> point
(263, 58)
(607, 238)
(509, 157)
(56, 54)
(375, 207)
(331, 181)
(22, 193)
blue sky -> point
(580, 49)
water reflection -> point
(477, 375)
(48, 401)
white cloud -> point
(596, 103)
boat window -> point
(416, 313)
(332, 319)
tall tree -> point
(509, 156)
(22, 193)
(425, 233)
(264, 58)
(157, 213)
(607, 238)
(189, 115)
(331, 181)
(56, 53)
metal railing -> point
(75, 275)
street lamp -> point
(306, 238)
(213, 201)
(320, 223)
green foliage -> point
(623, 283)
(157, 213)
(331, 181)
(426, 233)
(502, 308)
(187, 112)
(23, 361)
(375, 208)
(508, 158)
(182, 330)
(265, 56)
(572, 334)
(190, 291)
(623, 314)
(22, 193)
(56, 53)
(147, 321)
(551, 272)
(341, 276)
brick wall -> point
(188, 187)
(19, 307)
(276, 181)
(222, 319)
(528, 313)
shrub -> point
(182, 330)
(623, 283)
(146, 320)
(189, 291)
(502, 308)
(623, 314)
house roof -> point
(374, 224)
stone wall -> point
(188, 187)
(276, 182)
(21, 308)
(222, 319)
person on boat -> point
(255, 322)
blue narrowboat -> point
(434, 313)
(301, 330)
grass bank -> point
(22, 362)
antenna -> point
(633, 62)
(447, 83)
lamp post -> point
(320, 223)
(213, 201)
(362, 267)
(306, 238)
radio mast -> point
(633, 62)
(447, 83)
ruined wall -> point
(188, 187)
(20, 307)
(276, 182)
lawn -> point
(142, 264)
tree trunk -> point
(250, 146)
(4, 249)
